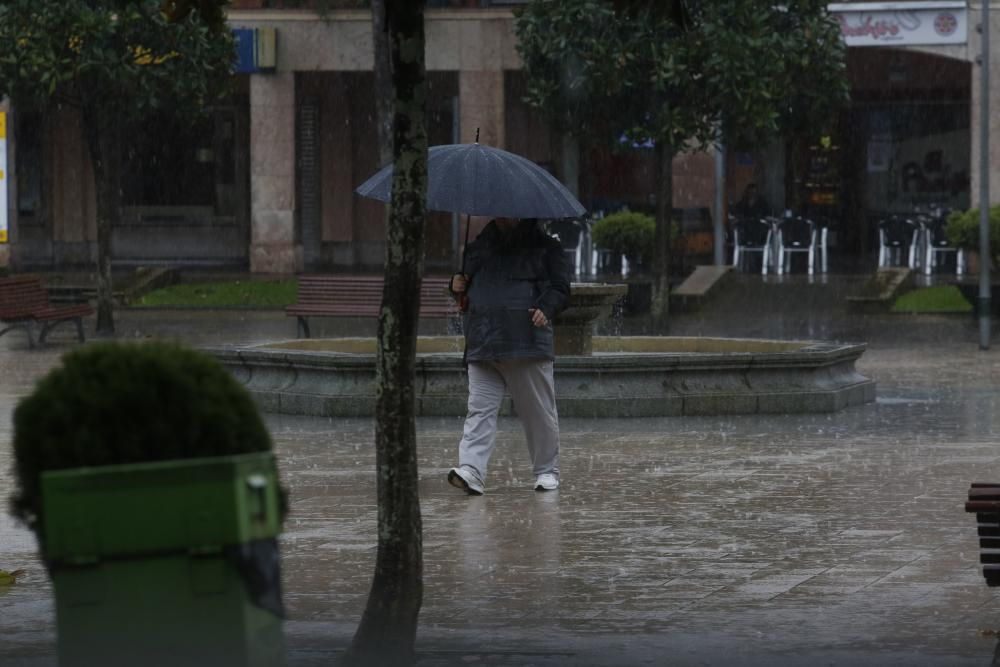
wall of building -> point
(473, 69)
(467, 54)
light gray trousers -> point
(532, 390)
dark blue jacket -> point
(508, 275)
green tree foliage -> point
(116, 61)
(113, 403)
(212, 12)
(118, 58)
(676, 71)
(682, 74)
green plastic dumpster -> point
(166, 563)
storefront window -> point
(29, 165)
(918, 155)
(182, 163)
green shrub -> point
(936, 299)
(112, 403)
(963, 230)
(626, 233)
(239, 293)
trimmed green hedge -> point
(626, 233)
(963, 230)
(113, 403)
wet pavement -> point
(834, 539)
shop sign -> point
(3, 177)
(255, 50)
(901, 23)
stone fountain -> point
(575, 325)
(624, 376)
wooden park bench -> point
(24, 304)
(360, 296)
(984, 501)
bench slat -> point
(984, 501)
(361, 296)
(985, 493)
(24, 302)
(990, 506)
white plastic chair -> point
(897, 235)
(822, 232)
(936, 243)
(751, 235)
(796, 235)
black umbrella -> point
(481, 180)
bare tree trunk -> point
(383, 82)
(664, 210)
(388, 627)
(104, 141)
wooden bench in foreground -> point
(984, 501)
(360, 296)
(24, 304)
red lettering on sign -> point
(868, 27)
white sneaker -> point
(465, 480)
(546, 482)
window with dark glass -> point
(182, 162)
(28, 133)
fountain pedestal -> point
(574, 326)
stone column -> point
(273, 246)
(481, 105)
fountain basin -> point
(635, 376)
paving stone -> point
(748, 540)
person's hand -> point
(538, 317)
(459, 283)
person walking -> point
(515, 282)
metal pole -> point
(720, 198)
(984, 184)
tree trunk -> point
(388, 626)
(383, 82)
(571, 163)
(661, 252)
(104, 142)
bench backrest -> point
(365, 292)
(21, 295)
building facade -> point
(266, 182)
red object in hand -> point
(461, 295)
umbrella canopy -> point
(481, 180)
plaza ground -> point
(834, 539)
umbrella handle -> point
(465, 248)
(463, 300)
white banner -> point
(902, 23)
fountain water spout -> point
(574, 326)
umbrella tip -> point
(477, 135)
